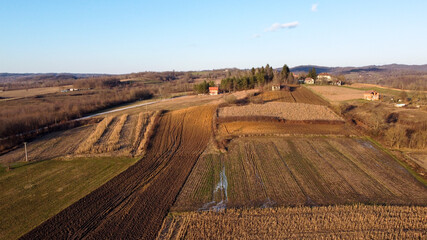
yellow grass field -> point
(338, 94)
(31, 92)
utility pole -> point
(26, 154)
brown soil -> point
(134, 204)
(268, 128)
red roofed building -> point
(372, 96)
(213, 90)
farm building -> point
(275, 87)
(309, 80)
(213, 90)
(372, 96)
(324, 76)
(337, 82)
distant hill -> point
(412, 77)
(7, 77)
(371, 68)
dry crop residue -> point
(283, 110)
(333, 222)
(116, 136)
(134, 204)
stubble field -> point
(296, 171)
(332, 222)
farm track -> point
(134, 204)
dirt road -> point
(134, 204)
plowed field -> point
(134, 204)
(294, 171)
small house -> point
(372, 96)
(275, 87)
(324, 76)
(309, 80)
(337, 82)
(213, 90)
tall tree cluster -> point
(203, 87)
(312, 73)
(256, 77)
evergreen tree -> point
(290, 79)
(285, 72)
(312, 73)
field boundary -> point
(402, 163)
(276, 119)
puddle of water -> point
(268, 204)
(221, 188)
(222, 184)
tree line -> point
(249, 79)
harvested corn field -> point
(332, 222)
(281, 110)
(294, 171)
(134, 204)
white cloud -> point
(277, 26)
(256, 36)
(314, 7)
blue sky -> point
(90, 36)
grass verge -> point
(31, 193)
